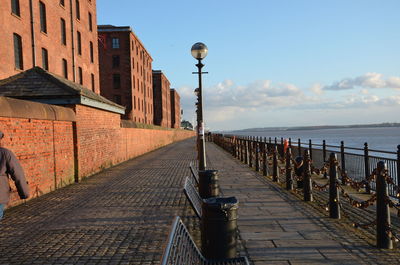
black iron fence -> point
(356, 163)
(365, 170)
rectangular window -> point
(15, 7)
(115, 61)
(79, 40)
(115, 43)
(63, 32)
(65, 68)
(117, 99)
(90, 21)
(93, 83)
(134, 102)
(80, 75)
(19, 62)
(91, 52)
(43, 22)
(78, 10)
(45, 59)
(133, 63)
(116, 81)
(62, 3)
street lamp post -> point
(199, 52)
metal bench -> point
(181, 250)
(195, 174)
(193, 196)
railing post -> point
(265, 162)
(289, 171)
(299, 146)
(324, 150)
(242, 149)
(334, 209)
(310, 148)
(281, 152)
(307, 184)
(246, 148)
(257, 156)
(275, 172)
(383, 232)
(290, 143)
(343, 165)
(251, 147)
(366, 167)
(398, 168)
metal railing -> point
(356, 163)
(181, 249)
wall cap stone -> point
(16, 108)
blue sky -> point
(274, 63)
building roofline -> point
(112, 28)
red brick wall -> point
(45, 147)
(45, 150)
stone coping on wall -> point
(16, 108)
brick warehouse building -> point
(175, 109)
(125, 72)
(162, 99)
(58, 35)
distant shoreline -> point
(321, 127)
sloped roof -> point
(37, 84)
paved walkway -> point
(123, 216)
(276, 227)
(120, 216)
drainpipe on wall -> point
(72, 41)
(32, 34)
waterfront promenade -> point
(123, 216)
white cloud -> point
(227, 104)
(368, 80)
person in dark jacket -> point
(10, 167)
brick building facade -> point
(125, 72)
(175, 109)
(58, 35)
(162, 99)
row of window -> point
(115, 44)
(18, 53)
(80, 74)
(15, 9)
(116, 64)
(117, 84)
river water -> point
(378, 138)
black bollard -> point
(334, 208)
(383, 232)
(275, 172)
(324, 150)
(219, 228)
(208, 183)
(307, 182)
(289, 172)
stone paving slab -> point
(276, 227)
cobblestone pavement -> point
(120, 216)
(277, 227)
(123, 216)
